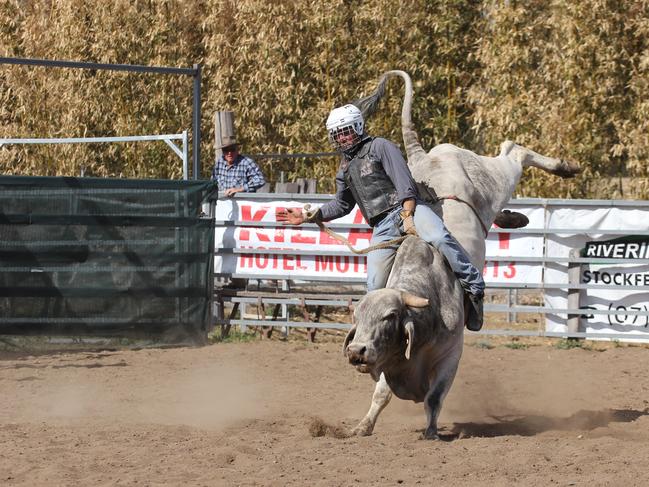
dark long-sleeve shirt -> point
(395, 167)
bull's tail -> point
(368, 106)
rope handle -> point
(311, 215)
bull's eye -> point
(390, 316)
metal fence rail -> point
(181, 152)
(548, 262)
(194, 72)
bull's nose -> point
(357, 353)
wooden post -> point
(509, 306)
(311, 186)
(574, 277)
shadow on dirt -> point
(533, 425)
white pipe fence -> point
(182, 152)
(545, 258)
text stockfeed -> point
(617, 278)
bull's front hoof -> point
(362, 429)
(430, 434)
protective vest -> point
(370, 185)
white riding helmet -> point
(345, 127)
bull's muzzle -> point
(357, 354)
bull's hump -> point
(414, 259)
(417, 249)
(420, 269)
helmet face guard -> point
(344, 138)
(345, 127)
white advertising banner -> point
(554, 230)
(512, 245)
(285, 240)
(595, 240)
(241, 233)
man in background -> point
(235, 172)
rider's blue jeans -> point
(430, 228)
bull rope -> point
(340, 238)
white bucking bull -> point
(409, 336)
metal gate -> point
(106, 258)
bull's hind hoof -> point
(567, 169)
(511, 219)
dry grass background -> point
(568, 79)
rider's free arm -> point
(342, 204)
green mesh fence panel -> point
(106, 257)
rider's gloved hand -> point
(312, 216)
(407, 217)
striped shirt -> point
(243, 173)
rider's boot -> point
(474, 315)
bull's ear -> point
(349, 338)
(410, 334)
(413, 301)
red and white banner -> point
(553, 231)
(254, 226)
(505, 244)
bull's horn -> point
(413, 301)
(349, 338)
(410, 333)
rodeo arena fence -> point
(162, 261)
(582, 265)
(90, 257)
(94, 260)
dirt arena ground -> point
(245, 414)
